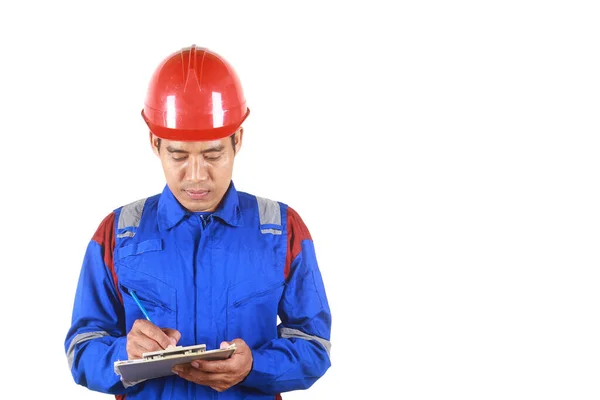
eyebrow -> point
(213, 149)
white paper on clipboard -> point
(160, 363)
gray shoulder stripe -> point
(79, 338)
(131, 214)
(269, 213)
(295, 333)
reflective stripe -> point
(79, 338)
(269, 214)
(130, 217)
(295, 333)
(273, 231)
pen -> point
(140, 305)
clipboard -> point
(160, 363)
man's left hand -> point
(219, 374)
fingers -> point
(144, 337)
(239, 363)
(219, 382)
(240, 344)
(137, 345)
(173, 334)
(219, 374)
(154, 332)
(214, 366)
(136, 348)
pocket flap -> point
(139, 248)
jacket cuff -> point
(259, 376)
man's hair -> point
(232, 142)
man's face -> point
(198, 173)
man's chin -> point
(199, 206)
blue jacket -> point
(230, 274)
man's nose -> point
(198, 170)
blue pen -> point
(140, 305)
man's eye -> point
(179, 158)
(212, 158)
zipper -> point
(258, 294)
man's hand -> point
(145, 336)
(219, 374)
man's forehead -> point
(190, 146)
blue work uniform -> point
(213, 277)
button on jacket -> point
(212, 276)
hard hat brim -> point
(194, 135)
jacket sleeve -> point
(300, 355)
(97, 338)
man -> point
(208, 264)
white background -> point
(444, 156)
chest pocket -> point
(134, 264)
(252, 310)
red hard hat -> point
(194, 95)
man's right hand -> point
(145, 337)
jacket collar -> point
(171, 212)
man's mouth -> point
(196, 194)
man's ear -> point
(238, 139)
(154, 143)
